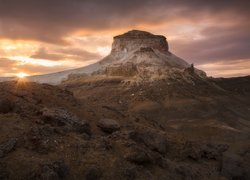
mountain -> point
(140, 113)
(136, 54)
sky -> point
(45, 36)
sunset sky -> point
(44, 36)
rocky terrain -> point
(143, 114)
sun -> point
(22, 75)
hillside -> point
(140, 113)
(164, 130)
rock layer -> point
(135, 39)
(144, 56)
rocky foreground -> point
(105, 129)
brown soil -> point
(168, 130)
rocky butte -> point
(142, 55)
(135, 39)
(135, 55)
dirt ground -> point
(159, 130)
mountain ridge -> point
(141, 54)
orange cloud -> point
(36, 39)
(225, 69)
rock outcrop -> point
(108, 125)
(142, 56)
(61, 117)
(135, 39)
(6, 106)
(7, 147)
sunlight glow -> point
(26, 60)
(22, 75)
(104, 51)
(17, 47)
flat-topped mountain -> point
(142, 55)
(135, 39)
(137, 55)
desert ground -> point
(108, 128)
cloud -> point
(79, 54)
(7, 67)
(6, 63)
(60, 54)
(199, 31)
(37, 70)
(225, 69)
(11, 67)
(52, 21)
(218, 44)
(43, 54)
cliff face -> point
(143, 55)
(134, 40)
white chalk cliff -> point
(142, 54)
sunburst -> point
(21, 75)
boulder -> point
(138, 155)
(6, 106)
(197, 151)
(131, 172)
(154, 140)
(93, 172)
(61, 117)
(233, 166)
(185, 171)
(55, 170)
(213, 151)
(7, 147)
(108, 125)
(3, 172)
(40, 139)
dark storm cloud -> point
(218, 44)
(52, 20)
